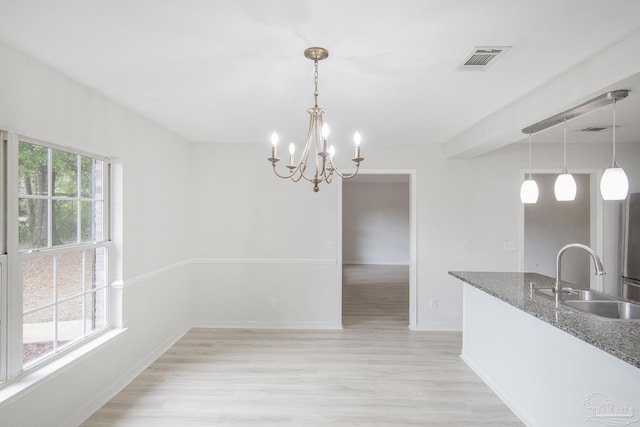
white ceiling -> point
(234, 71)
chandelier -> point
(317, 141)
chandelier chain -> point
(315, 82)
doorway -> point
(378, 248)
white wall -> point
(375, 223)
(153, 181)
(258, 238)
(473, 200)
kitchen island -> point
(553, 365)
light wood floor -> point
(375, 372)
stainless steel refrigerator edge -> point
(631, 253)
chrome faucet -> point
(596, 261)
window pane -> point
(37, 283)
(70, 321)
(95, 310)
(65, 173)
(91, 215)
(69, 275)
(37, 334)
(94, 269)
(65, 222)
(32, 223)
(32, 169)
(91, 178)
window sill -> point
(33, 380)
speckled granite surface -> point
(620, 338)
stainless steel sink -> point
(593, 302)
(575, 295)
(610, 309)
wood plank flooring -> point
(374, 373)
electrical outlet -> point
(464, 245)
(510, 246)
(434, 303)
(332, 244)
(272, 302)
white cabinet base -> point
(546, 376)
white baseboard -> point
(507, 398)
(406, 264)
(240, 324)
(121, 382)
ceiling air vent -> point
(595, 129)
(482, 57)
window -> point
(57, 250)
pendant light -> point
(529, 188)
(565, 188)
(614, 184)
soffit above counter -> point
(613, 69)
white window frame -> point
(3, 320)
(4, 136)
(12, 367)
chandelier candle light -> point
(317, 141)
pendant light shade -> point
(529, 191)
(614, 184)
(565, 188)
(529, 188)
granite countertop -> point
(620, 338)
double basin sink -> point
(593, 302)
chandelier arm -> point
(284, 176)
(317, 144)
(299, 168)
(303, 169)
(304, 158)
(301, 165)
(300, 176)
(329, 177)
(346, 175)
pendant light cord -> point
(530, 155)
(613, 161)
(564, 164)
